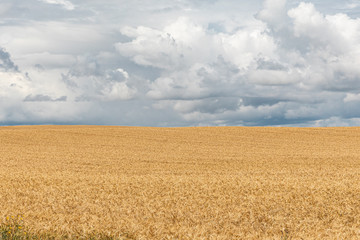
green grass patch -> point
(13, 228)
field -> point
(181, 183)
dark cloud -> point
(261, 101)
(6, 64)
(44, 98)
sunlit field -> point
(179, 183)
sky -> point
(180, 63)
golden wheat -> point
(183, 183)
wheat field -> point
(182, 183)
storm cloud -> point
(180, 63)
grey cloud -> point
(4, 7)
(90, 81)
(5, 61)
(180, 63)
(69, 82)
(213, 105)
(342, 82)
(39, 67)
(270, 65)
(44, 98)
(216, 27)
(217, 79)
(196, 92)
(260, 101)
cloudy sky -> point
(180, 62)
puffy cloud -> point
(180, 63)
(273, 12)
(150, 47)
(88, 81)
(323, 31)
(184, 42)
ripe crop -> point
(182, 183)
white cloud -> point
(185, 31)
(184, 43)
(180, 62)
(151, 47)
(64, 3)
(123, 72)
(272, 77)
(118, 91)
(352, 97)
(14, 85)
(323, 30)
(337, 122)
(273, 12)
